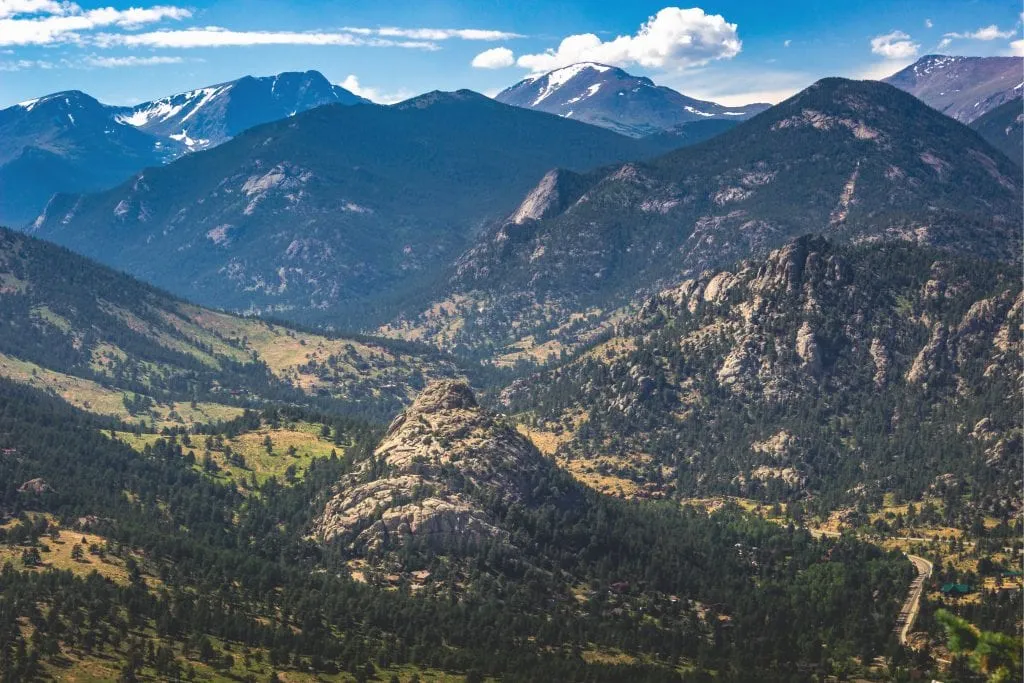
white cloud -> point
(895, 45)
(928, 23)
(944, 43)
(352, 84)
(26, 64)
(443, 33)
(46, 22)
(9, 8)
(495, 58)
(1017, 48)
(215, 36)
(130, 60)
(88, 62)
(990, 32)
(672, 38)
(787, 43)
(880, 70)
(742, 88)
(64, 22)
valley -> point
(588, 381)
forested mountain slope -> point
(1003, 128)
(822, 372)
(856, 161)
(336, 213)
(594, 589)
(116, 346)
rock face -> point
(429, 478)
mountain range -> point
(67, 142)
(209, 116)
(666, 407)
(70, 142)
(333, 211)
(965, 88)
(609, 97)
(858, 161)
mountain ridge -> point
(386, 193)
(853, 160)
(71, 142)
(208, 116)
(964, 88)
(609, 97)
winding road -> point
(908, 613)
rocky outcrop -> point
(735, 380)
(428, 478)
(36, 486)
(554, 193)
(929, 359)
(807, 348)
(880, 356)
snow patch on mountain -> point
(560, 77)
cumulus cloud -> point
(787, 43)
(1017, 48)
(672, 38)
(352, 84)
(895, 45)
(928, 23)
(65, 22)
(495, 58)
(216, 36)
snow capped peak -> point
(29, 105)
(169, 107)
(927, 64)
(68, 97)
(559, 77)
(609, 97)
(574, 69)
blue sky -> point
(732, 51)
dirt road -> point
(908, 613)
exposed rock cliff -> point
(439, 470)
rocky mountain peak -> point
(443, 97)
(607, 96)
(445, 395)
(429, 478)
